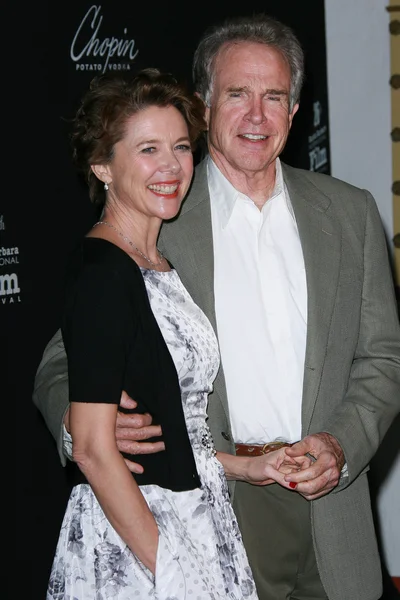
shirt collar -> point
(223, 195)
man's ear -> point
(200, 98)
(101, 172)
(207, 109)
(291, 115)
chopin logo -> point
(87, 45)
(9, 286)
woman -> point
(129, 324)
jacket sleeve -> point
(51, 394)
(372, 400)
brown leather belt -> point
(258, 450)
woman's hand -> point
(272, 467)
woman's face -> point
(152, 165)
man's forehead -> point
(247, 48)
(240, 63)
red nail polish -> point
(292, 484)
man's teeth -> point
(164, 189)
(252, 136)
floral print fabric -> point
(200, 554)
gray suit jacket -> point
(352, 367)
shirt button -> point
(226, 436)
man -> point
(291, 268)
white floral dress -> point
(200, 554)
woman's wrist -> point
(236, 467)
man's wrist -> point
(337, 451)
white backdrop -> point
(358, 62)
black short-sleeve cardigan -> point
(113, 343)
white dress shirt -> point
(261, 309)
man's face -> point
(249, 118)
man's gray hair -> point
(259, 28)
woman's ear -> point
(101, 172)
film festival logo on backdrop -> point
(317, 141)
(9, 288)
(91, 52)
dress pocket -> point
(169, 576)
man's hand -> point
(324, 474)
(131, 431)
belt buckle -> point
(271, 446)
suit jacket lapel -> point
(320, 236)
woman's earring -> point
(106, 187)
